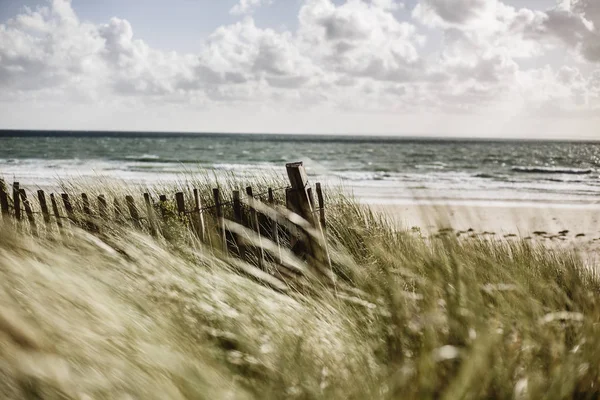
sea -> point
(374, 169)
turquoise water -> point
(374, 168)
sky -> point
(474, 68)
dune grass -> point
(123, 315)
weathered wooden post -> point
(180, 201)
(44, 206)
(200, 223)
(4, 201)
(150, 213)
(321, 206)
(133, 211)
(89, 225)
(68, 208)
(28, 211)
(274, 225)
(220, 220)
(256, 227)
(56, 213)
(17, 200)
(118, 211)
(238, 218)
(162, 199)
(102, 207)
(300, 200)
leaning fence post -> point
(255, 225)
(180, 201)
(321, 206)
(299, 182)
(237, 217)
(274, 225)
(102, 207)
(44, 206)
(28, 211)
(4, 200)
(17, 200)
(69, 208)
(150, 213)
(56, 213)
(133, 211)
(200, 226)
(88, 213)
(220, 220)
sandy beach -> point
(570, 225)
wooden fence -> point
(255, 216)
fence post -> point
(237, 217)
(162, 203)
(4, 200)
(118, 211)
(90, 226)
(150, 213)
(220, 220)
(133, 211)
(102, 207)
(28, 211)
(56, 213)
(17, 200)
(200, 224)
(180, 201)
(302, 196)
(321, 206)
(69, 208)
(256, 227)
(44, 206)
(274, 225)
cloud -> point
(248, 6)
(352, 57)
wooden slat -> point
(56, 212)
(87, 211)
(274, 225)
(256, 227)
(321, 205)
(133, 211)
(28, 211)
(102, 207)
(237, 217)
(44, 206)
(200, 229)
(4, 200)
(180, 202)
(68, 208)
(17, 200)
(163, 206)
(219, 215)
(150, 213)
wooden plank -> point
(219, 215)
(180, 202)
(102, 207)
(200, 229)
(44, 206)
(28, 211)
(4, 201)
(17, 200)
(89, 224)
(321, 205)
(133, 211)
(274, 225)
(150, 213)
(56, 212)
(299, 182)
(118, 211)
(237, 217)
(68, 208)
(256, 227)
(163, 206)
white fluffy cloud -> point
(357, 56)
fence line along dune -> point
(305, 298)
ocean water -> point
(375, 169)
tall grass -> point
(123, 315)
